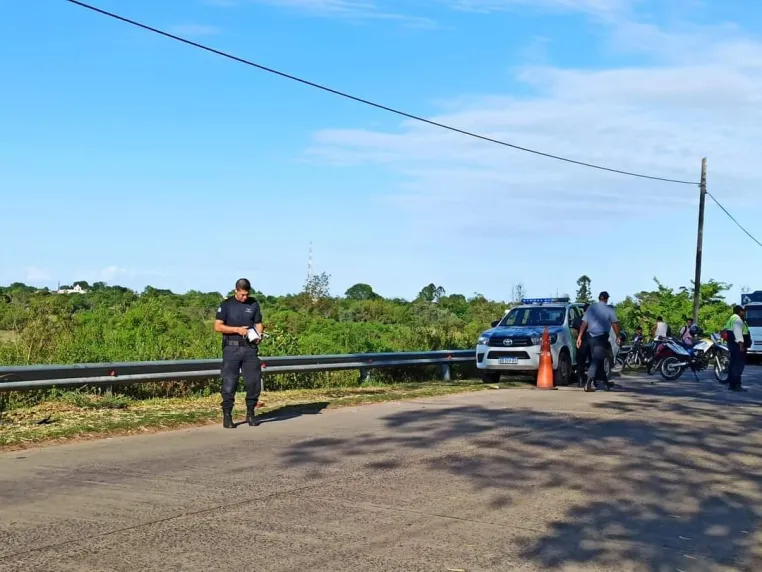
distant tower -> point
(309, 264)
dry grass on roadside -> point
(82, 416)
(7, 336)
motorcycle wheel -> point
(619, 364)
(653, 366)
(721, 369)
(670, 370)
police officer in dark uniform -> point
(235, 317)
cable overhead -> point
(373, 104)
(731, 217)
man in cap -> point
(739, 341)
(597, 323)
(239, 320)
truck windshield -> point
(754, 316)
(539, 316)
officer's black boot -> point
(227, 419)
(251, 416)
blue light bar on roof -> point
(543, 300)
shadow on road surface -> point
(651, 477)
(286, 412)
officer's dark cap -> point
(243, 284)
(604, 295)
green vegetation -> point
(113, 323)
(676, 306)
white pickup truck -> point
(513, 342)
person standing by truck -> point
(583, 350)
(597, 322)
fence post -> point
(446, 370)
(364, 375)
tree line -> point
(115, 323)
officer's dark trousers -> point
(243, 359)
(599, 346)
(583, 356)
(736, 366)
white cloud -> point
(659, 118)
(114, 273)
(599, 7)
(193, 30)
(350, 10)
(36, 274)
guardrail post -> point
(364, 375)
(446, 369)
(108, 389)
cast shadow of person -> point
(291, 411)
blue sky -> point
(131, 158)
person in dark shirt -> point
(239, 320)
(583, 352)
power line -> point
(733, 219)
(373, 104)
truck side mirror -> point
(495, 323)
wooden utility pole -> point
(699, 242)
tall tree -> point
(318, 286)
(361, 292)
(584, 294)
(431, 293)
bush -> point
(113, 323)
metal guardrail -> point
(28, 377)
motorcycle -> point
(722, 359)
(696, 357)
(621, 359)
(634, 355)
(624, 356)
(656, 352)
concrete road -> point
(648, 477)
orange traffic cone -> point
(545, 373)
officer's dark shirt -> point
(236, 314)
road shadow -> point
(286, 412)
(655, 479)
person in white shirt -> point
(661, 329)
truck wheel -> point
(563, 373)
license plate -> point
(507, 360)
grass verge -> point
(77, 416)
